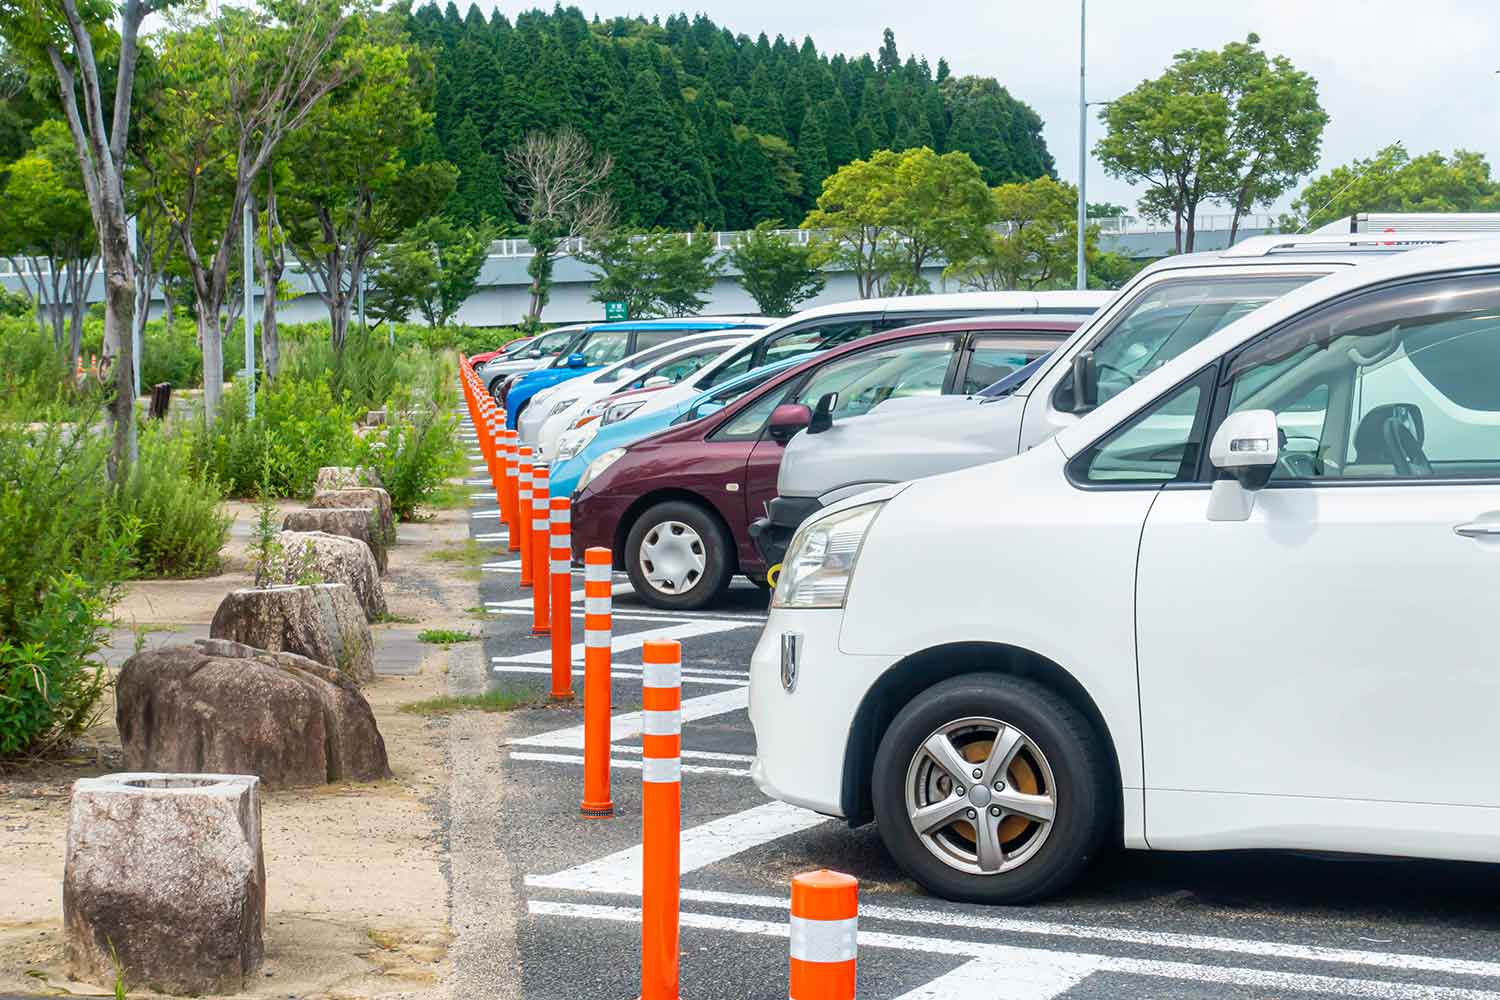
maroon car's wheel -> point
(679, 556)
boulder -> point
(351, 522)
(322, 622)
(335, 559)
(343, 477)
(361, 496)
(217, 705)
(164, 874)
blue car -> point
(603, 344)
(565, 476)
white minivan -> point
(1245, 603)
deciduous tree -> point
(1395, 181)
(776, 270)
(654, 274)
(1232, 125)
(1035, 245)
(560, 185)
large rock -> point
(351, 522)
(164, 874)
(322, 622)
(361, 496)
(222, 706)
(337, 560)
(343, 477)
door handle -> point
(1478, 529)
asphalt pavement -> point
(1240, 925)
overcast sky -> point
(1422, 72)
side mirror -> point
(576, 360)
(1085, 382)
(656, 382)
(1247, 446)
(787, 419)
(822, 417)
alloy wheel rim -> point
(673, 557)
(980, 795)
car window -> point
(680, 368)
(893, 371)
(993, 358)
(749, 422)
(722, 398)
(655, 338)
(551, 343)
(815, 336)
(1398, 384)
(603, 347)
(639, 360)
(1167, 319)
(1161, 445)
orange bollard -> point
(597, 627)
(825, 929)
(523, 513)
(512, 491)
(541, 542)
(661, 816)
(560, 567)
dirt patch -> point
(357, 900)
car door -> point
(1322, 674)
(919, 366)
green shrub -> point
(34, 376)
(299, 424)
(13, 303)
(63, 551)
(415, 456)
(368, 371)
(177, 505)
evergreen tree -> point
(838, 132)
(761, 195)
(654, 186)
(812, 159)
(890, 59)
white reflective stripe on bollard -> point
(596, 605)
(659, 723)
(598, 638)
(824, 940)
(661, 770)
(661, 675)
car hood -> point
(895, 443)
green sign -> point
(616, 310)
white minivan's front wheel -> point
(992, 789)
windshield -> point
(1170, 317)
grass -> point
(390, 619)
(444, 636)
(490, 701)
(472, 574)
(470, 553)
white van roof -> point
(966, 303)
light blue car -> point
(563, 479)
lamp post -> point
(1083, 148)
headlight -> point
(820, 561)
(620, 411)
(562, 404)
(597, 466)
(572, 441)
(594, 409)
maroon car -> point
(675, 508)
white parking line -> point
(702, 845)
(1009, 973)
(626, 765)
(627, 725)
(698, 677)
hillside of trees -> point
(706, 127)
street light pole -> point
(1083, 149)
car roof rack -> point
(1264, 246)
(1413, 222)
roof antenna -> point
(1371, 166)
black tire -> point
(717, 549)
(495, 385)
(1080, 769)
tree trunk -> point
(1192, 229)
(119, 320)
(212, 338)
(270, 335)
(338, 318)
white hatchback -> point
(1243, 604)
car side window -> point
(993, 358)
(680, 368)
(1401, 383)
(604, 348)
(1160, 445)
(749, 422)
(655, 338)
(816, 338)
(870, 377)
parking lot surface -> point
(1139, 925)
